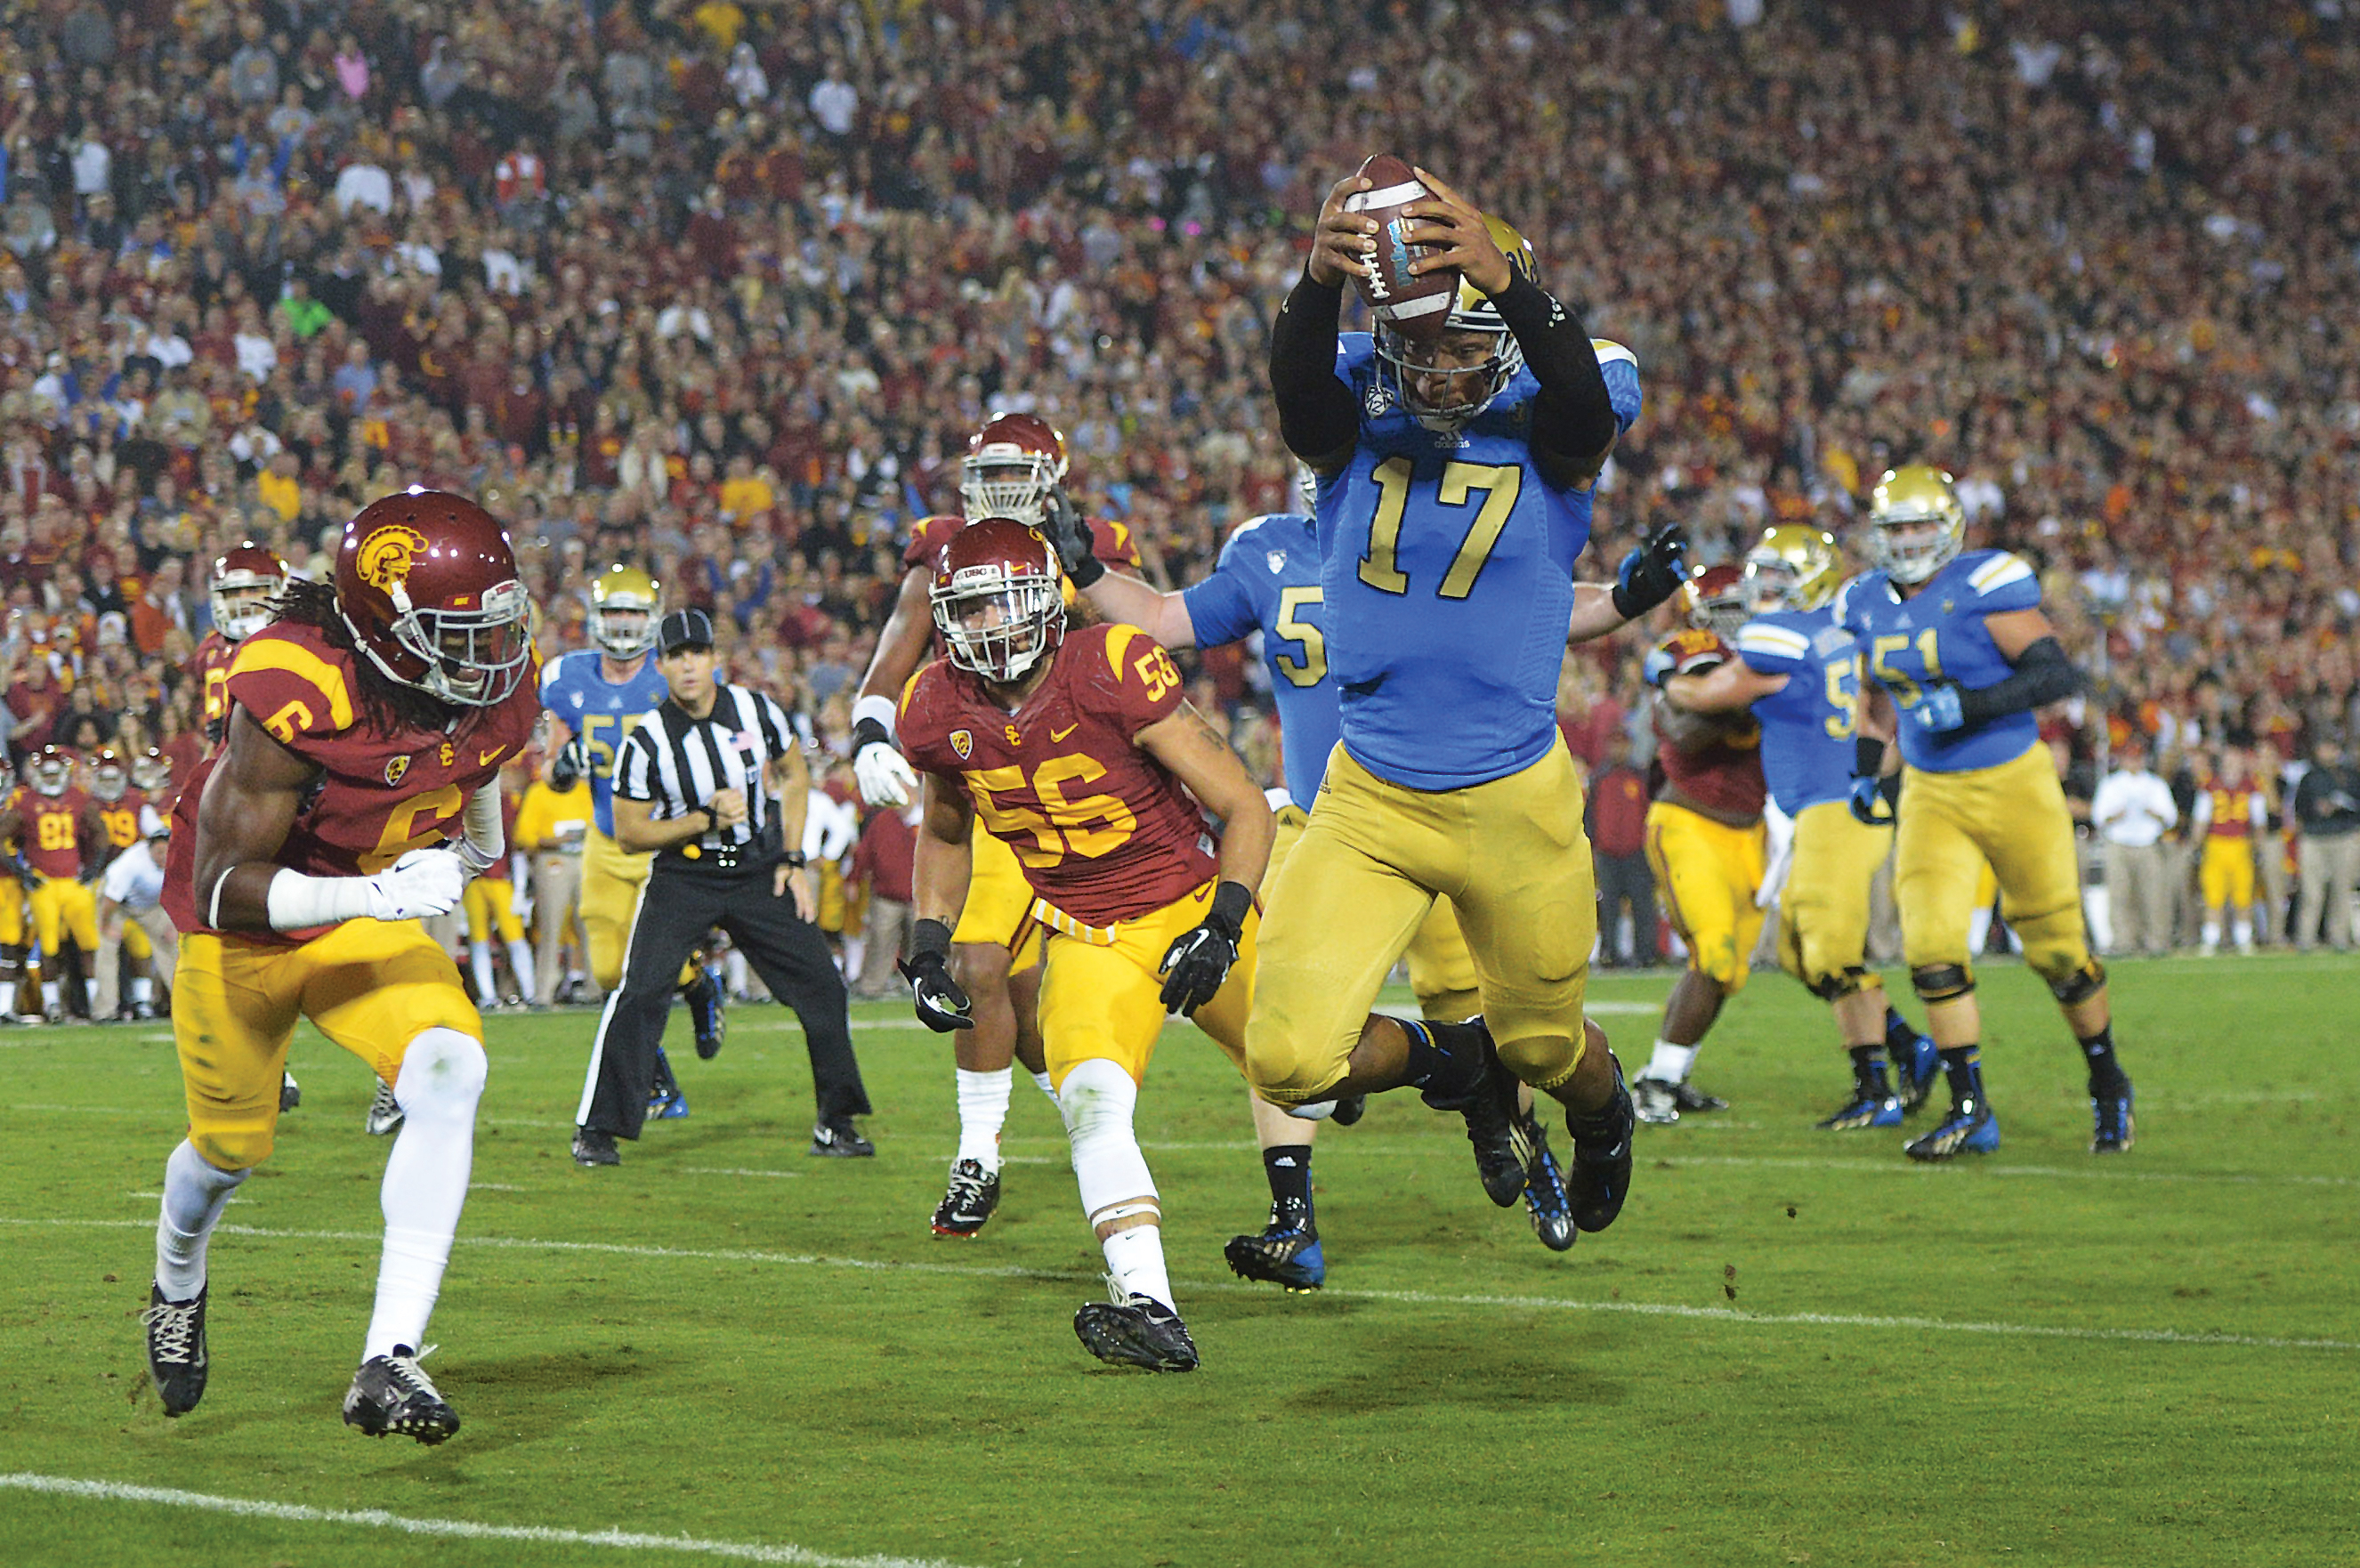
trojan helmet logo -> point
(395, 769)
(384, 556)
(963, 743)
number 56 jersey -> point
(1104, 832)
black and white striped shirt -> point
(678, 764)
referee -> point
(694, 782)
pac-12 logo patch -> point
(1277, 560)
(963, 743)
(383, 556)
(396, 768)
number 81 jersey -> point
(1104, 832)
(1448, 579)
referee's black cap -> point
(685, 629)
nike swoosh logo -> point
(1069, 729)
(483, 758)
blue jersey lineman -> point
(1961, 656)
(1455, 473)
(1798, 672)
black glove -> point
(942, 1005)
(1652, 573)
(566, 768)
(1069, 534)
(1199, 960)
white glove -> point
(884, 775)
(424, 882)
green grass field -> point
(1794, 1348)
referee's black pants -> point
(786, 949)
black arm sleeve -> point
(1316, 417)
(1573, 417)
(2042, 675)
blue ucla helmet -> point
(1403, 360)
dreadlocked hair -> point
(385, 701)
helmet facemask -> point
(472, 659)
(1473, 376)
(1770, 583)
(625, 631)
(1008, 483)
(999, 620)
(1917, 526)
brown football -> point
(1414, 306)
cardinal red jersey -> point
(212, 666)
(2232, 812)
(384, 788)
(53, 831)
(1724, 771)
(121, 818)
(1104, 832)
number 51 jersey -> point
(1448, 579)
(1938, 633)
(1104, 832)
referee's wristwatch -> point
(796, 858)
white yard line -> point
(1406, 1298)
(377, 1518)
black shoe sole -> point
(1114, 1338)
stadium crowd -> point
(720, 291)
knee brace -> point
(442, 1076)
(2080, 984)
(1942, 982)
(1835, 987)
(1096, 1099)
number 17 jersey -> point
(1448, 579)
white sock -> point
(1097, 1099)
(521, 965)
(1671, 1062)
(7, 996)
(983, 1111)
(479, 959)
(733, 970)
(1135, 1259)
(195, 1193)
(425, 1183)
(1041, 1082)
(856, 952)
(49, 992)
(2212, 934)
(2243, 931)
(143, 989)
(1978, 929)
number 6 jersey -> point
(1104, 832)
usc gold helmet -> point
(1917, 526)
(1472, 311)
(623, 604)
(1714, 600)
(1793, 567)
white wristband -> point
(296, 902)
(485, 839)
(875, 707)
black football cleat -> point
(1350, 1108)
(592, 1146)
(175, 1350)
(971, 1198)
(2114, 1127)
(1546, 1202)
(392, 1395)
(1601, 1177)
(706, 1010)
(1138, 1331)
(290, 1093)
(1489, 1107)
(1693, 1101)
(837, 1140)
(1285, 1255)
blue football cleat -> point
(2113, 1116)
(1546, 1202)
(665, 1102)
(1865, 1109)
(1970, 1128)
(1283, 1255)
(1914, 1073)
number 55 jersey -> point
(1105, 833)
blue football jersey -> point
(1938, 633)
(1807, 724)
(1267, 581)
(601, 713)
(1448, 577)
